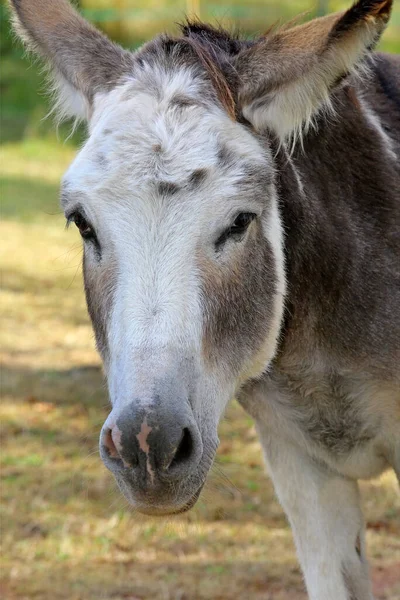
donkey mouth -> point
(161, 511)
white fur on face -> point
(133, 179)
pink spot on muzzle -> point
(144, 446)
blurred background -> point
(66, 532)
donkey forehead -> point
(166, 138)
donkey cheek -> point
(100, 284)
(238, 306)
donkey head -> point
(174, 196)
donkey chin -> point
(162, 500)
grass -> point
(67, 534)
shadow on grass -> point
(28, 199)
(83, 386)
(19, 281)
(172, 580)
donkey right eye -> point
(85, 229)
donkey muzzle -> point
(149, 449)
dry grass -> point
(67, 534)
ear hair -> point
(287, 78)
(83, 61)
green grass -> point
(67, 534)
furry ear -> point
(287, 77)
(83, 60)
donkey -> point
(239, 204)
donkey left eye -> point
(241, 223)
(238, 227)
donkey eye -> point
(85, 229)
(241, 223)
(237, 229)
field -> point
(66, 532)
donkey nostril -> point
(109, 444)
(184, 450)
(112, 448)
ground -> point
(67, 534)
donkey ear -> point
(287, 77)
(83, 60)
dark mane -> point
(214, 37)
(212, 49)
